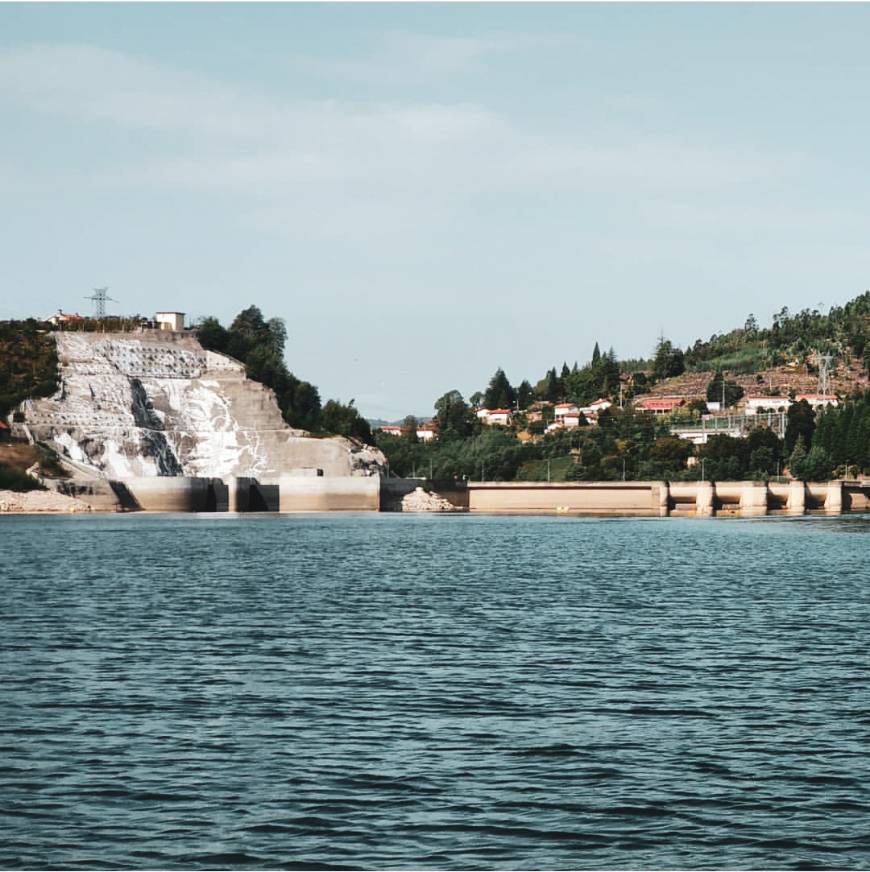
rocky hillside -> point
(153, 403)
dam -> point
(661, 499)
(315, 493)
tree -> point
(553, 390)
(455, 419)
(248, 330)
(801, 425)
(499, 394)
(732, 391)
(797, 460)
(668, 361)
(409, 429)
(726, 457)
(765, 452)
(345, 420)
(212, 335)
(525, 395)
(277, 333)
(596, 354)
(671, 449)
(301, 407)
(818, 465)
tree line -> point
(259, 344)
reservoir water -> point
(391, 691)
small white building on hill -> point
(173, 321)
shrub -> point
(15, 479)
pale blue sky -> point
(427, 192)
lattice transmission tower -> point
(100, 297)
(824, 363)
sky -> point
(427, 192)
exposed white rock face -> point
(157, 403)
(420, 500)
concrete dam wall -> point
(244, 494)
(156, 404)
(663, 499)
(308, 493)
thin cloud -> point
(340, 161)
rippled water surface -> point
(405, 691)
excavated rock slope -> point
(157, 403)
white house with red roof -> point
(502, 417)
(592, 411)
(563, 409)
(427, 432)
(392, 430)
(60, 317)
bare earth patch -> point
(39, 501)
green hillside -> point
(28, 362)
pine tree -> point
(524, 395)
(552, 393)
(499, 393)
(797, 460)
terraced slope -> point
(155, 403)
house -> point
(502, 417)
(598, 406)
(65, 318)
(591, 412)
(567, 421)
(818, 401)
(173, 321)
(392, 430)
(661, 405)
(754, 405)
(538, 410)
(426, 432)
(562, 409)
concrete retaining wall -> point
(173, 494)
(643, 499)
(333, 494)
